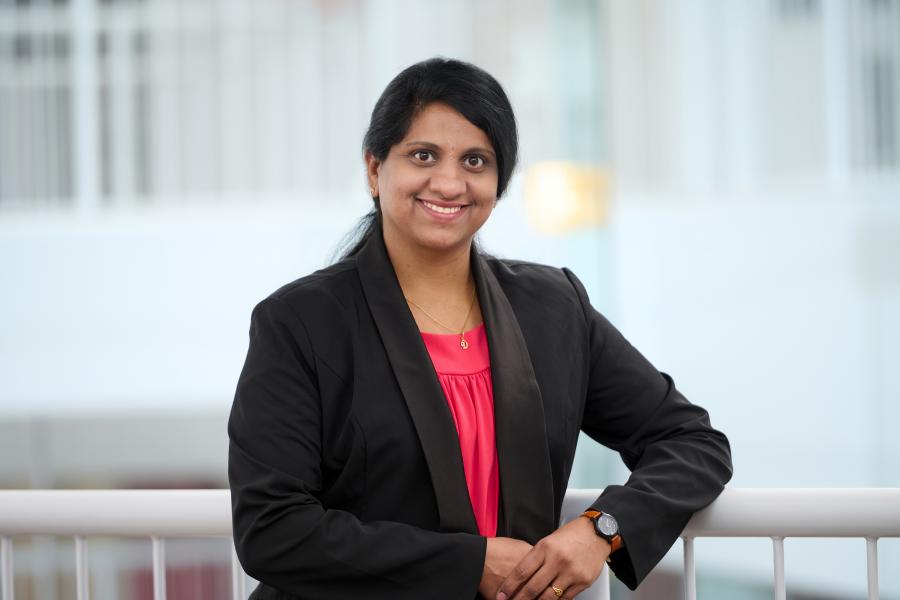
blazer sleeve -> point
(678, 462)
(284, 536)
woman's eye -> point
(474, 161)
(423, 155)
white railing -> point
(161, 514)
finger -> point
(562, 582)
(537, 585)
(550, 593)
(521, 573)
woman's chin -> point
(443, 243)
(428, 240)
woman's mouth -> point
(445, 210)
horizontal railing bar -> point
(800, 513)
(207, 513)
(140, 513)
(786, 512)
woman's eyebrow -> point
(433, 146)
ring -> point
(557, 591)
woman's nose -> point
(448, 182)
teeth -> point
(441, 209)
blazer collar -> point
(525, 479)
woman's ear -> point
(372, 167)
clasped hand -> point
(571, 558)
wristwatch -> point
(606, 526)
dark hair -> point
(468, 89)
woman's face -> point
(438, 185)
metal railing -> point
(161, 514)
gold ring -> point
(557, 591)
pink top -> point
(465, 376)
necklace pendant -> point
(463, 343)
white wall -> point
(145, 309)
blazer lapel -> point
(418, 382)
(525, 478)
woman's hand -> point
(501, 556)
(570, 559)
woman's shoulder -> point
(514, 272)
(327, 289)
(529, 283)
(328, 279)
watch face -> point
(607, 525)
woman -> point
(405, 422)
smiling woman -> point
(406, 419)
(437, 186)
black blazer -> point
(344, 462)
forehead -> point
(441, 124)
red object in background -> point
(194, 582)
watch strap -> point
(615, 542)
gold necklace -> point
(462, 338)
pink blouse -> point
(465, 376)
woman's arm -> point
(678, 464)
(283, 534)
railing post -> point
(159, 568)
(603, 583)
(872, 566)
(238, 591)
(690, 576)
(778, 546)
(82, 591)
(6, 569)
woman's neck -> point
(432, 276)
(437, 284)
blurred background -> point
(724, 176)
